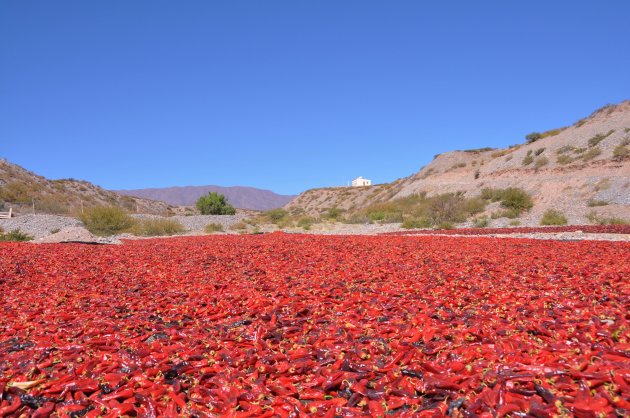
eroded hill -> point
(20, 188)
(576, 169)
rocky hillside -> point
(19, 187)
(240, 197)
(575, 169)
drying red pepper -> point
(290, 325)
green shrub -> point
(553, 217)
(153, 227)
(16, 236)
(214, 203)
(210, 228)
(539, 151)
(517, 199)
(528, 160)
(411, 223)
(106, 220)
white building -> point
(360, 181)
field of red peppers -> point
(293, 325)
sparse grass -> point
(14, 236)
(515, 223)
(565, 149)
(154, 227)
(553, 217)
(106, 220)
(478, 150)
(596, 218)
(603, 184)
(593, 202)
(457, 165)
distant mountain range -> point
(239, 196)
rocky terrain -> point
(576, 169)
(21, 188)
(240, 197)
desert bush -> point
(210, 228)
(517, 199)
(106, 220)
(306, 222)
(527, 160)
(276, 215)
(481, 222)
(541, 162)
(15, 236)
(214, 203)
(553, 217)
(591, 153)
(539, 151)
(239, 226)
(622, 151)
(333, 214)
(592, 142)
(153, 227)
(515, 223)
(564, 159)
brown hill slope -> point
(20, 187)
(239, 196)
(566, 169)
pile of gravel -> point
(76, 234)
(199, 222)
(39, 226)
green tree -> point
(214, 203)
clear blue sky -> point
(289, 95)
